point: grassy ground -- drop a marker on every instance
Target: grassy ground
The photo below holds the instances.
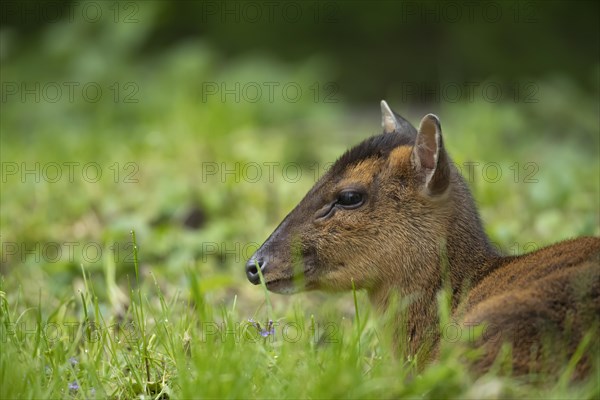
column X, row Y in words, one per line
column 85, row 313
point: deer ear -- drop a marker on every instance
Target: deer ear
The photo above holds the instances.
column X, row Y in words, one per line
column 429, row 157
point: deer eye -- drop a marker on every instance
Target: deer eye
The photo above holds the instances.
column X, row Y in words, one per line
column 350, row 199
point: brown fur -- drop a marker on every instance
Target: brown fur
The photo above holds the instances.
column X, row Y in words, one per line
column 418, row 224
column 554, row 291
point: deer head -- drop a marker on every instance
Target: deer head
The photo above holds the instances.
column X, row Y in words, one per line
column 378, row 214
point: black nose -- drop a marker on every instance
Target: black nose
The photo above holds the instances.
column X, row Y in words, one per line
column 252, row 269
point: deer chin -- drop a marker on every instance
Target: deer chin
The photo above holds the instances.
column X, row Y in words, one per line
column 287, row 285
column 291, row 284
column 284, row 286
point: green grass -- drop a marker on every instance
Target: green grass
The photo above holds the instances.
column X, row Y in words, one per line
column 166, row 314
column 184, row 348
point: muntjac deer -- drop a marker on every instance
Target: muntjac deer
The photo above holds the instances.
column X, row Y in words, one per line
column 393, row 216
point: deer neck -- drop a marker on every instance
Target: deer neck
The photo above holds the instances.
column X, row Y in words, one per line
column 470, row 255
column 462, row 257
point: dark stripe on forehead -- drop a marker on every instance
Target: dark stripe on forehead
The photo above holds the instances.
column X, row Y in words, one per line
column 374, row 147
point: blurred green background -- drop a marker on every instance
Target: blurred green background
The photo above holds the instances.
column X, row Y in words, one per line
column 201, row 124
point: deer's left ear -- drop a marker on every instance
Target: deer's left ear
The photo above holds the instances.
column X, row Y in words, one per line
column 429, row 157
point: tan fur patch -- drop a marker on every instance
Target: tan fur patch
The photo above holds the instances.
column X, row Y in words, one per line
column 361, row 173
column 400, row 157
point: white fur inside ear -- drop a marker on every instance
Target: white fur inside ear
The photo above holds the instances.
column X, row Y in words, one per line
column 436, row 155
column 429, row 156
column 427, row 145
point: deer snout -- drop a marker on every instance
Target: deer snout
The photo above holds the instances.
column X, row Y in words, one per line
column 252, row 267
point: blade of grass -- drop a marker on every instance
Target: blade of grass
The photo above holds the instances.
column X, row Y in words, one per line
column 356, row 314
column 266, row 291
column 141, row 306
